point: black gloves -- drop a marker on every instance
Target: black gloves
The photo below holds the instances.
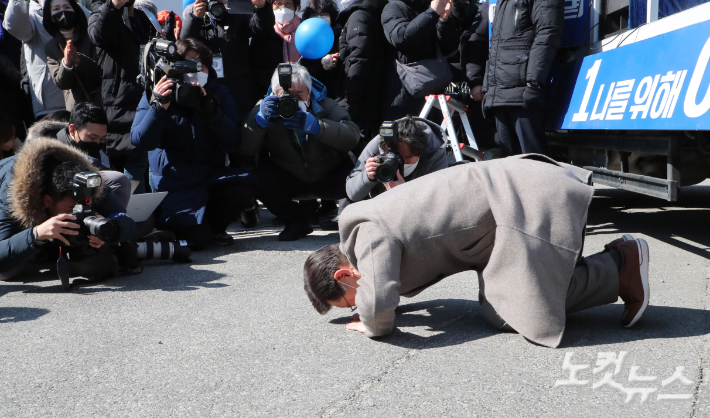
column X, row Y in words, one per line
column 533, row 97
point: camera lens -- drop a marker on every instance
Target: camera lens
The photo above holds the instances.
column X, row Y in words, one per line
column 188, row 94
column 287, row 107
column 104, row 229
column 386, row 171
column 217, row 9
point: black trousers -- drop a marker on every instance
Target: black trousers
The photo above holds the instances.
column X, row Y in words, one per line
column 277, row 189
column 520, row 131
column 224, row 205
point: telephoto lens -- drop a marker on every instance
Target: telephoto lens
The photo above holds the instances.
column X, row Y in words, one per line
column 390, row 163
column 178, row 251
column 104, row 229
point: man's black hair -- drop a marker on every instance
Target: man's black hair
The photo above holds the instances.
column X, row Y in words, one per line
column 411, row 133
column 58, row 116
column 192, row 44
column 315, row 8
column 59, row 177
column 85, row 113
column 318, row 277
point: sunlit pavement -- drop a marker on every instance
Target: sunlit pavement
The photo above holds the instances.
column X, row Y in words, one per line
column 233, row 334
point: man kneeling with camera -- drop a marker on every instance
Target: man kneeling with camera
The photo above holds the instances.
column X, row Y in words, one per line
column 52, row 204
column 189, row 123
column 308, row 137
column 403, row 151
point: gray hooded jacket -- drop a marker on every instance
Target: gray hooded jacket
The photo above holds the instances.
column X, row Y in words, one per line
column 23, row 20
column 359, row 186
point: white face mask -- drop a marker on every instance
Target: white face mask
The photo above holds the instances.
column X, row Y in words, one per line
column 284, row 15
column 326, row 19
column 303, row 106
column 199, row 78
column 409, row 168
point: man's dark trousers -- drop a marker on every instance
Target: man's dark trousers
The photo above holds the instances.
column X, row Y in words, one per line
column 520, row 131
column 277, row 189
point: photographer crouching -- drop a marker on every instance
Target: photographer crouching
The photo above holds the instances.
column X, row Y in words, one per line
column 308, row 137
column 189, row 124
column 404, row 150
column 38, row 203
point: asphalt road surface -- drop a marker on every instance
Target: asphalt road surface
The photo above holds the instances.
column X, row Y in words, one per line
column 233, row 334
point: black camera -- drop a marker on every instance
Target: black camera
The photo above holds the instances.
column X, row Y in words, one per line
column 217, row 10
column 160, row 58
column 390, row 161
column 107, row 230
column 288, row 103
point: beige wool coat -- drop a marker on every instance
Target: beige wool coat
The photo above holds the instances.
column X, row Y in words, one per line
column 517, row 221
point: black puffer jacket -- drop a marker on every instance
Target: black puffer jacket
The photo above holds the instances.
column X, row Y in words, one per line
column 118, row 55
column 231, row 40
column 362, row 53
column 523, row 43
column 266, row 49
column 414, row 36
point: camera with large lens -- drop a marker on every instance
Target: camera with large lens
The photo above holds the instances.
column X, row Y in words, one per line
column 217, row 10
column 389, row 162
column 288, row 103
column 160, row 58
column 107, row 230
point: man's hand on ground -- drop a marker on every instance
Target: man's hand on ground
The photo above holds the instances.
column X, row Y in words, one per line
column 56, row 227
column 356, row 324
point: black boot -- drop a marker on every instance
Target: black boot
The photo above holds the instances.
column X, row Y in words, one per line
column 295, row 230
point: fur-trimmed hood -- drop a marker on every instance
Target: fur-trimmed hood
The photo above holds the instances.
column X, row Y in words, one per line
column 45, row 128
column 26, row 194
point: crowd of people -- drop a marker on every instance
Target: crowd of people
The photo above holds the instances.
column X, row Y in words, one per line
column 70, row 72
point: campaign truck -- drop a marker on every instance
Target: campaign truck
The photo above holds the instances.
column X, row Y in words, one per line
column 631, row 93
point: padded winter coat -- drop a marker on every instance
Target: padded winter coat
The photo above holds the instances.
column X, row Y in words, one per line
column 524, row 38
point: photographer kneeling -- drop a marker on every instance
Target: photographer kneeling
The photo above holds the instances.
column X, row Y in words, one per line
column 37, row 198
column 420, row 144
column 308, row 137
column 188, row 144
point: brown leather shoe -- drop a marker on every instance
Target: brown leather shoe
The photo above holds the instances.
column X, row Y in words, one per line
column 633, row 278
column 625, row 237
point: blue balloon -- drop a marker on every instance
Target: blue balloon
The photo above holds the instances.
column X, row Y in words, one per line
column 314, row 38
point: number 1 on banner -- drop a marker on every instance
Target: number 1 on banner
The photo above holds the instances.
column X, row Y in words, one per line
column 582, row 115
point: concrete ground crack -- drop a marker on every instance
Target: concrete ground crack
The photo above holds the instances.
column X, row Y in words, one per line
column 365, row 386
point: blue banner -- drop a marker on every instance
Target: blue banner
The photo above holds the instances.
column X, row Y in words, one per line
column 659, row 83
column 576, row 31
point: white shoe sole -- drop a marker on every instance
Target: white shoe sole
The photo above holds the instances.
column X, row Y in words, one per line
column 627, row 237
column 644, row 259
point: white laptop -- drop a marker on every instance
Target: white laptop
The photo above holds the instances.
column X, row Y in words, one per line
column 141, row 206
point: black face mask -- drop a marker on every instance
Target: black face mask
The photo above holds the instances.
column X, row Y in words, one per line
column 65, row 20
column 91, row 149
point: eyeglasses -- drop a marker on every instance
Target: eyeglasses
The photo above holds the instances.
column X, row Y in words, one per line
column 352, row 308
